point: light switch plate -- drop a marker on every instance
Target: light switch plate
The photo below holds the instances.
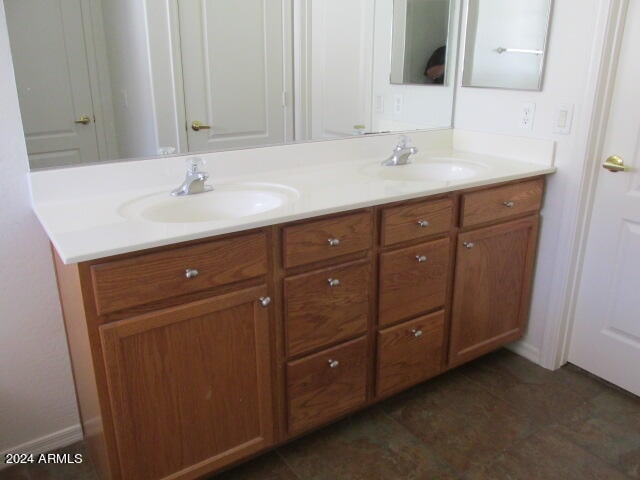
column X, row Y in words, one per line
column 563, row 120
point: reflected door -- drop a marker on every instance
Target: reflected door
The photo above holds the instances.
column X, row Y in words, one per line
column 50, row 62
column 233, row 67
column 606, row 333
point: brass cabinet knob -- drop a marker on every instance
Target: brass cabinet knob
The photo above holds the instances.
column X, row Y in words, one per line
column 197, row 126
column 615, row 164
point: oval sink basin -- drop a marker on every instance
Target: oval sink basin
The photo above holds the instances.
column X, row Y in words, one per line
column 225, row 202
column 437, row 169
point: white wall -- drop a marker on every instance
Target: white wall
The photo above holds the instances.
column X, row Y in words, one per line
column 37, row 397
column 498, row 111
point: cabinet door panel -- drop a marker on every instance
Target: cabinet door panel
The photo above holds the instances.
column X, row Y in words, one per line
column 190, row 387
column 492, row 288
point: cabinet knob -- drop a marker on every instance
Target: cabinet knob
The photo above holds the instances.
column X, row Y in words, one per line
column 416, row 332
column 265, row 301
column 421, row 258
column 190, row 273
column 333, row 282
column 423, row 223
column 333, row 363
column 469, row 245
column 509, row 204
column 334, row 242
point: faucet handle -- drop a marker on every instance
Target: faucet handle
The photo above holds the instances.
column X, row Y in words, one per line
column 195, row 165
column 404, row 141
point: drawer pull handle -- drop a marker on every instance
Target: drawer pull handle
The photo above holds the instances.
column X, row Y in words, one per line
column 191, row 273
column 417, row 333
column 334, row 363
column 421, row 258
column 469, row 245
column 334, row 242
column 423, row 223
column 265, row 301
column 509, row 204
column 333, row 282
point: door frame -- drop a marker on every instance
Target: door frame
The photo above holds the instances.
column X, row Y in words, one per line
column 599, row 92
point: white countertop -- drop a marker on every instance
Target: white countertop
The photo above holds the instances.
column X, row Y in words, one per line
column 80, row 208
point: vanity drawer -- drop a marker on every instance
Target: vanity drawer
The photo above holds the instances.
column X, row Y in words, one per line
column 413, row 280
column 327, row 306
column 324, row 239
column 149, row 278
column 501, row 203
column 326, row 385
column 416, row 221
column 409, row 353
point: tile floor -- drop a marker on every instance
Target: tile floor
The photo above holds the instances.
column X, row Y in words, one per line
column 498, row 418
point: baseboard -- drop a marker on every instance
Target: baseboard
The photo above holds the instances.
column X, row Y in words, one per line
column 527, row 351
column 53, row 441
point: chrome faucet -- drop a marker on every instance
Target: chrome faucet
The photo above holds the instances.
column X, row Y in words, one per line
column 195, row 180
column 401, row 153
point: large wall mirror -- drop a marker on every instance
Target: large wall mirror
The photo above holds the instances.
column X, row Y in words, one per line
column 102, row 80
column 506, row 43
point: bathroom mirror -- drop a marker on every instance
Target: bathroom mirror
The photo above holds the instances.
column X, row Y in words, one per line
column 105, row 80
column 506, row 43
column 420, row 36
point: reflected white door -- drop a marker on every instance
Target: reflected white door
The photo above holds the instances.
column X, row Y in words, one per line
column 606, row 334
column 233, row 67
column 340, row 49
column 50, row 62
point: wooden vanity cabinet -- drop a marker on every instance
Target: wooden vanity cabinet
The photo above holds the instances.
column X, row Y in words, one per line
column 190, row 358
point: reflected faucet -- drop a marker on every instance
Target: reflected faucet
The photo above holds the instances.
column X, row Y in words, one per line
column 401, row 153
column 194, row 182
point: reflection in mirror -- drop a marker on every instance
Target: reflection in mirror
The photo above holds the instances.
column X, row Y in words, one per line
column 420, row 34
column 505, row 43
column 101, row 80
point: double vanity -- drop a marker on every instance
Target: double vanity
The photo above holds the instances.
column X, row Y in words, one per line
column 207, row 328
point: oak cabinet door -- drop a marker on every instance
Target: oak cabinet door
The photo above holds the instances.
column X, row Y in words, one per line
column 190, row 387
column 492, row 288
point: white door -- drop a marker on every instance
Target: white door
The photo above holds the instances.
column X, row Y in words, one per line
column 50, row 61
column 233, row 67
column 606, row 334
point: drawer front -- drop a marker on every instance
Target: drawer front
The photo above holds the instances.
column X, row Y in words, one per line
column 326, row 385
column 327, row 306
column 501, row 203
column 413, row 280
column 416, row 221
column 409, row 353
column 325, row 239
column 148, row 278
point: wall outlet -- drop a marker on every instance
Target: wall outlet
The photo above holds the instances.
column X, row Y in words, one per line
column 563, row 119
column 528, row 116
column 398, row 104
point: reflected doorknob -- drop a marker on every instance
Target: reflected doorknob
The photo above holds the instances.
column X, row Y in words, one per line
column 197, row 126
column 615, row 164
column 84, row 120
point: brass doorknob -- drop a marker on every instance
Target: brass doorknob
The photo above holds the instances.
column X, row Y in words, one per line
column 615, row 164
column 197, row 126
column 84, row 120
